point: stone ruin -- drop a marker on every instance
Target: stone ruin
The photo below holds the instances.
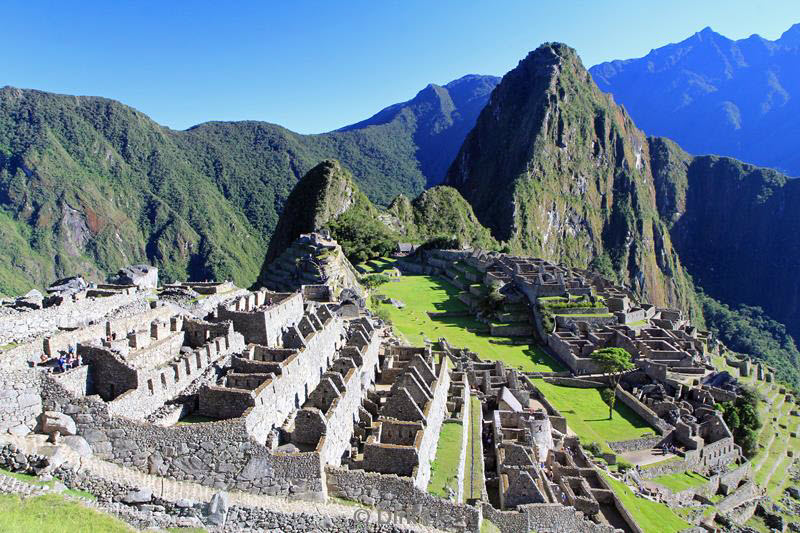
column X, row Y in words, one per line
column 300, row 393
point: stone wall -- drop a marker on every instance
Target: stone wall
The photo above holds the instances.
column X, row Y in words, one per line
column 339, row 418
column 217, row 454
column 729, row 481
column 543, row 518
column 156, row 386
column 644, row 443
column 147, row 509
column 576, row 382
column 276, row 398
column 19, row 356
column 642, row 410
column 25, row 325
column 20, row 403
column 388, row 491
column 748, row 491
column 434, row 416
column 263, row 325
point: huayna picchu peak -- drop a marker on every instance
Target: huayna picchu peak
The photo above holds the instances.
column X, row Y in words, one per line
column 556, row 168
column 501, row 305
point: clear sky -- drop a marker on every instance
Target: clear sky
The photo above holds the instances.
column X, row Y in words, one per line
column 316, row 65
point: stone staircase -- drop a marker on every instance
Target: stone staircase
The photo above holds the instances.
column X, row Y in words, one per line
column 13, row 485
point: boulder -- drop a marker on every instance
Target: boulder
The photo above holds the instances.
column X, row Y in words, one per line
column 218, row 509
column 143, row 276
column 68, row 286
column 78, row 444
column 53, row 421
column 31, row 300
column 138, row 496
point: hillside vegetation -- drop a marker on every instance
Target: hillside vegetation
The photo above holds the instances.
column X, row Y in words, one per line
column 88, row 185
column 328, row 198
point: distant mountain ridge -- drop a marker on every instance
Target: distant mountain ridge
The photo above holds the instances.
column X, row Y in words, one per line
column 438, row 119
column 714, row 95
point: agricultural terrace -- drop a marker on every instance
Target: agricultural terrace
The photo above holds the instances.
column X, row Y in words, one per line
column 775, row 440
column 421, row 294
column 681, row 481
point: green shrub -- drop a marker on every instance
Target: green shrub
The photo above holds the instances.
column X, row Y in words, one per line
column 623, row 466
column 607, row 396
column 593, row 448
column 372, row 281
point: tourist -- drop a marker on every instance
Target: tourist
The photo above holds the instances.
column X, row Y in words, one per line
column 62, row 363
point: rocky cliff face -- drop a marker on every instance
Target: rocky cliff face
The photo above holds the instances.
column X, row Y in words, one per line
column 557, row 169
column 736, row 227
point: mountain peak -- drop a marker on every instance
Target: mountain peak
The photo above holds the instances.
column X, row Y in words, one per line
column 791, row 37
column 322, row 194
column 539, row 164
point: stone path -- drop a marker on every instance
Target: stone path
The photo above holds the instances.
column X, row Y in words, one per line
column 171, row 490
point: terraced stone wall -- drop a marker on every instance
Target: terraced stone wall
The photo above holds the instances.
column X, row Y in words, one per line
column 218, row 454
column 28, row 324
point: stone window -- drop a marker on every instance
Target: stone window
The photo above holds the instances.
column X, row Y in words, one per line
column 164, row 380
column 150, row 386
column 199, row 361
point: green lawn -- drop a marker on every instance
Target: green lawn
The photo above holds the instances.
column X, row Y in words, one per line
column 52, row 513
column 649, row 515
column 681, row 481
column 587, row 414
column 474, row 446
column 425, row 293
column 444, row 469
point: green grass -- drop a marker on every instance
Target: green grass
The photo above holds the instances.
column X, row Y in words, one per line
column 649, row 515
column 487, row 526
column 596, row 315
column 587, row 414
column 52, row 513
column 681, row 481
column 421, row 294
column 33, row 480
column 444, row 469
column 470, row 490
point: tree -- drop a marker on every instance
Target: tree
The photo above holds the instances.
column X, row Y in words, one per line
column 614, row 362
column 491, row 304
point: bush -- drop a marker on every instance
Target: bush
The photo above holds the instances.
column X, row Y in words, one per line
column 384, row 315
column 623, row 466
column 741, row 416
column 372, row 281
column 593, row 448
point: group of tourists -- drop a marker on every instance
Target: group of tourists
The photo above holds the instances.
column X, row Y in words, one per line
column 65, row 361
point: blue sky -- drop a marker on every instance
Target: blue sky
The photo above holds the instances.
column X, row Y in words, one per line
column 316, row 65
